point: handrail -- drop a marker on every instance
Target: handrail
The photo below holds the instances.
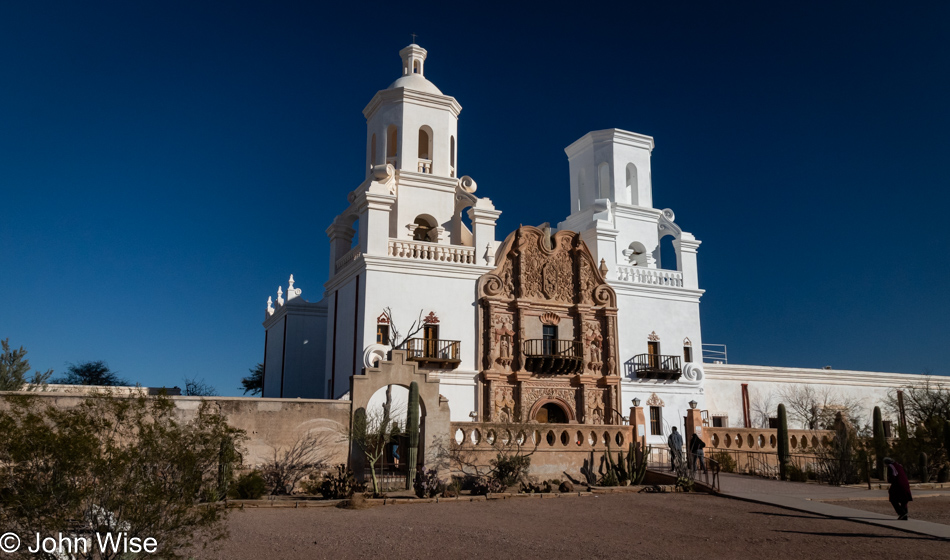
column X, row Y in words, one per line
column 432, row 349
column 656, row 365
column 552, row 347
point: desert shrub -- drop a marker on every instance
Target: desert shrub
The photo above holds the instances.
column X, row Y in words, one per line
column 129, row 464
column 796, row 474
column 249, row 486
column 428, row 484
column 726, row 462
column 487, row 485
column 338, row 484
column 510, row 470
column 289, row 465
column 685, row 483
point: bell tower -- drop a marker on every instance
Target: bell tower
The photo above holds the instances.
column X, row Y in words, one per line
column 411, row 125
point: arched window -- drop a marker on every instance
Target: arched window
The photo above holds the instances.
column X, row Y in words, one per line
column 425, row 229
column 372, row 151
column 632, row 195
column 603, row 180
column 425, row 150
column 415, row 67
column 392, row 141
column 424, row 143
column 668, row 256
column 451, row 156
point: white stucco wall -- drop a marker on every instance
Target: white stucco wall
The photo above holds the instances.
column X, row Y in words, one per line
column 724, row 387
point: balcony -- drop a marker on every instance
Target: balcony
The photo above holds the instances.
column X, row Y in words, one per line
column 655, row 366
column 553, row 357
column 433, row 352
column 425, row 166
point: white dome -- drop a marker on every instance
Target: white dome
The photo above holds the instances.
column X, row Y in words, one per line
column 416, row 82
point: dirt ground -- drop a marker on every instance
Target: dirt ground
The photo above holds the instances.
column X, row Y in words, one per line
column 615, row 526
column 935, row 509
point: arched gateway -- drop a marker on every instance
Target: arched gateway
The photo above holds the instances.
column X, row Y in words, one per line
column 548, row 324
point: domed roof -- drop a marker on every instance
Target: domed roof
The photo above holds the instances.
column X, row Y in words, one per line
column 416, row 82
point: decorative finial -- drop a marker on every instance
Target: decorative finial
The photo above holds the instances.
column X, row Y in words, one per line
column 270, row 306
column 413, row 38
column 291, row 291
column 280, row 295
column 603, row 268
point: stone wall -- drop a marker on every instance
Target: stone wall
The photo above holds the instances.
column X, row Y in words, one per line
column 269, row 423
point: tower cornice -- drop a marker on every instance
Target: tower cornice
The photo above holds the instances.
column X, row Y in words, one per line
column 412, row 97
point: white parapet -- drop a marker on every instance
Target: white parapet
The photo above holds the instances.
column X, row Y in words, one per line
column 353, row 255
column 651, row 276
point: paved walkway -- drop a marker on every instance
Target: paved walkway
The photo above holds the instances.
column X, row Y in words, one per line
column 809, row 498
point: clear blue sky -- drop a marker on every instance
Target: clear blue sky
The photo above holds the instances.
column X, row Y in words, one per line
column 164, row 166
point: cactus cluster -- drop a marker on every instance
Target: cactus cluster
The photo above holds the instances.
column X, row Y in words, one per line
column 627, row 470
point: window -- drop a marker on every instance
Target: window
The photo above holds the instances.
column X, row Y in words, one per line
column 773, row 423
column 720, row 421
column 382, row 334
column 549, row 335
column 887, row 428
column 687, row 354
column 656, row 421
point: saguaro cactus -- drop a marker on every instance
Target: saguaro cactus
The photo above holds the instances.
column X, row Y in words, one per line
column 783, row 454
column 880, row 442
column 412, row 427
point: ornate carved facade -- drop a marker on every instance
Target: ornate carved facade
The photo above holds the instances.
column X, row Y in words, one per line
column 548, row 324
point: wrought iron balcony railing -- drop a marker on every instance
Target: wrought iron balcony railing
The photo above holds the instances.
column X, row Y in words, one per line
column 430, row 351
column 553, row 356
column 656, row 366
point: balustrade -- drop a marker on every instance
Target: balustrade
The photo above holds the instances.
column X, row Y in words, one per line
column 541, row 437
column 649, row 276
column 425, row 251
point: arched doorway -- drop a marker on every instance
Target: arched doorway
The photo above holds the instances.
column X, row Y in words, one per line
column 551, row 413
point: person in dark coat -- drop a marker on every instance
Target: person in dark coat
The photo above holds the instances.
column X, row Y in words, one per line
column 675, row 442
column 696, row 454
column 899, row 492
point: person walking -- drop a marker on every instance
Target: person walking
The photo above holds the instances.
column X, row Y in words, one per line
column 696, row 454
column 675, row 441
column 899, row 492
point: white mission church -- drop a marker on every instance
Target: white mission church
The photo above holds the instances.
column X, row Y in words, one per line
column 567, row 324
